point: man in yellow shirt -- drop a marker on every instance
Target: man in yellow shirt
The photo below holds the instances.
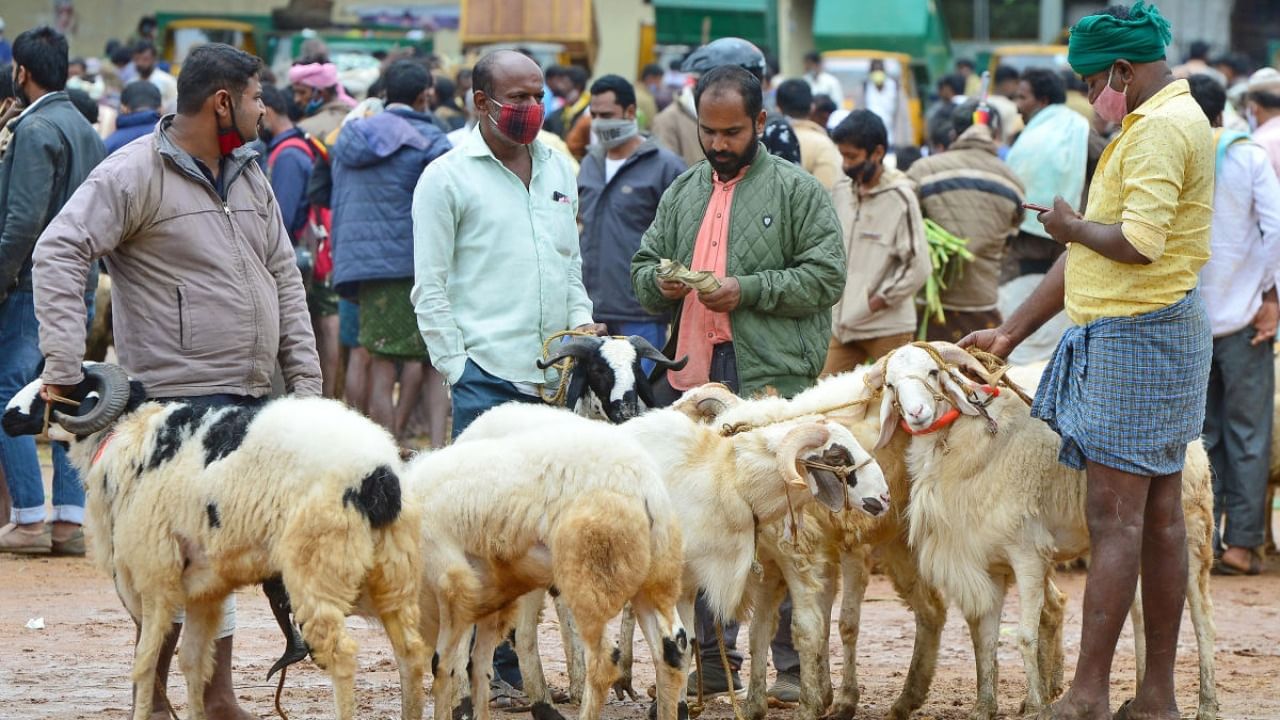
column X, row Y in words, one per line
column 1126, row 388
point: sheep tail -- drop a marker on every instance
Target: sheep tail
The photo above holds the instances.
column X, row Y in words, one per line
column 377, row 498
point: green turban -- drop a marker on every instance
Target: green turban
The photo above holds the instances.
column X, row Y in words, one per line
column 1099, row 40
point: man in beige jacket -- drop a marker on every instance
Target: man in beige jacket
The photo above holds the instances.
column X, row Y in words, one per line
column 818, row 154
column 885, row 242
column 207, row 297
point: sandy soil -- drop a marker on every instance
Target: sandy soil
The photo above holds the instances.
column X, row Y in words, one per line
column 77, row 665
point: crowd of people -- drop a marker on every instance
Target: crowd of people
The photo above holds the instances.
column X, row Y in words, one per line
column 411, row 252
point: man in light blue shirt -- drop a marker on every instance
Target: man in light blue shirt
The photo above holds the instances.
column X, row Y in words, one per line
column 496, row 259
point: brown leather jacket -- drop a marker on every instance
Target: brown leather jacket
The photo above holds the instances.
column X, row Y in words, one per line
column 206, row 294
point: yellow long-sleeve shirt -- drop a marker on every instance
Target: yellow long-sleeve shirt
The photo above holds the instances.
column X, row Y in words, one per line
column 1155, row 179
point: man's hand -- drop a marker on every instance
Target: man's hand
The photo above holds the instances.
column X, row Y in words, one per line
column 63, row 391
column 1264, row 323
column 725, row 299
column 595, row 328
column 1059, row 222
column 877, row 303
column 671, row 289
column 995, row 341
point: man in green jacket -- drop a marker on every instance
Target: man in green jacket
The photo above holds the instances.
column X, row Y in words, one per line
column 768, row 232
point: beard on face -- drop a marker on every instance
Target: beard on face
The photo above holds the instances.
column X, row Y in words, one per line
column 727, row 164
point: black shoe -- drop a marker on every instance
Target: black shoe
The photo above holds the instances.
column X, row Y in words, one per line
column 713, row 680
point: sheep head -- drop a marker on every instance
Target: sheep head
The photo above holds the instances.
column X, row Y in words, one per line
column 825, row 459
column 105, row 393
column 607, row 372
column 918, row 386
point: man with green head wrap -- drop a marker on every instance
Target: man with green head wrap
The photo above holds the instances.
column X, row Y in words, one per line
column 1126, row 387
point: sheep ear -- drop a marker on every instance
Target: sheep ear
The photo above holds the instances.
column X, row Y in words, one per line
column 827, row 489
column 955, row 390
column 888, row 418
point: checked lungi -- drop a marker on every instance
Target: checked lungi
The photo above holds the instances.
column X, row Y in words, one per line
column 1129, row 392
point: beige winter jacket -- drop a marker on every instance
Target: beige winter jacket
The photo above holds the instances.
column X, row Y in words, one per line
column 818, row 154
column 206, row 294
column 676, row 129
column 887, row 256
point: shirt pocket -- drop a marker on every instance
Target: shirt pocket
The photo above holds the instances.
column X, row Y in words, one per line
column 184, row 316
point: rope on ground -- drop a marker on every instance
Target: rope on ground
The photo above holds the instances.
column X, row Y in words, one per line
column 279, row 691
column 728, row 674
column 696, row 707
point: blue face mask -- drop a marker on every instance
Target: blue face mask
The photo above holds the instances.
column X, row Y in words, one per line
column 313, row 105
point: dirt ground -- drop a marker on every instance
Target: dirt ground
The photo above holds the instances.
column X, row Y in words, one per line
column 77, row 665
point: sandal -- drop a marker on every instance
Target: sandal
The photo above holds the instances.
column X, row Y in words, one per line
column 1221, row 567
column 504, row 696
column 1122, row 713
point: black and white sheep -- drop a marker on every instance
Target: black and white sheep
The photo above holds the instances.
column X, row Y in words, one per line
column 185, row 503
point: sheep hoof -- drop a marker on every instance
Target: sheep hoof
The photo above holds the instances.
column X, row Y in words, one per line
column 464, row 710
column 841, row 712
column 545, row 711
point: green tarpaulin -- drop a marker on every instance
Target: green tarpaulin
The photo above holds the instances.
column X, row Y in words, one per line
column 913, row 27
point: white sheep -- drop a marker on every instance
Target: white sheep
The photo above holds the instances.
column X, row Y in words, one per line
column 583, row 511
column 830, row 546
column 186, row 503
column 990, row 504
column 724, row 487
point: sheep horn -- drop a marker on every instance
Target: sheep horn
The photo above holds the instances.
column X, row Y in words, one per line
column 960, row 358
column 112, row 384
column 706, row 402
column 799, row 439
column 576, row 348
column 646, row 350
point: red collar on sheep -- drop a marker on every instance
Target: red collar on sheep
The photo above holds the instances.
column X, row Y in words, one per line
column 949, row 416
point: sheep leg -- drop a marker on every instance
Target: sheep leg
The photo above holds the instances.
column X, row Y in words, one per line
column 489, row 633
column 1051, row 640
column 1139, row 635
column 196, row 653
column 810, row 636
column 623, row 689
column 856, row 575
column 1029, row 571
column 601, row 671
column 985, row 631
column 157, row 619
column 1201, row 604
column 769, row 591
column 332, row 648
column 526, row 646
column 669, row 646
column 451, row 664
column 400, row 620
column 931, row 615
column 573, row 652
column 685, row 611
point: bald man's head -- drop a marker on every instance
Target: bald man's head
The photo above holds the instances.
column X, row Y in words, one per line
column 499, row 66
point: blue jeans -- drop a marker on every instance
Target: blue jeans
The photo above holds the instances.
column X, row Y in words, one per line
column 474, row 393
column 1237, row 435
column 19, row 365
column 654, row 332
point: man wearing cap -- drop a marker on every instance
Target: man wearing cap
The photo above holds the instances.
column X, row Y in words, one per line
column 1263, row 112
column 1126, row 388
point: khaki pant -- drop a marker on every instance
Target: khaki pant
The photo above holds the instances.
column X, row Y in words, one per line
column 843, row 357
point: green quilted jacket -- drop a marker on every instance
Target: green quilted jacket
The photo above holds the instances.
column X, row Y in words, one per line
column 785, row 249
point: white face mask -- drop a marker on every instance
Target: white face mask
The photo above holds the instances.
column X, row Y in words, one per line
column 613, row 132
column 1252, row 118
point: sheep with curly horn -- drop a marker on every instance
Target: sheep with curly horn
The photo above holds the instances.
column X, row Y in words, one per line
column 607, row 380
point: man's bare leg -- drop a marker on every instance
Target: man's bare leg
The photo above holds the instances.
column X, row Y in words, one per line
column 356, row 389
column 436, row 396
column 159, row 696
column 410, row 395
column 220, row 701
column 1164, row 585
column 330, row 350
column 1115, row 505
column 382, row 383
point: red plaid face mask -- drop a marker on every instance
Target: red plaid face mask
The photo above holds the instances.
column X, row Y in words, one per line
column 519, row 123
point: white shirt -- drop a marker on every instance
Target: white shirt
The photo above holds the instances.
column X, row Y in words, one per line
column 825, row 83
column 1244, row 257
column 611, row 167
column 883, row 101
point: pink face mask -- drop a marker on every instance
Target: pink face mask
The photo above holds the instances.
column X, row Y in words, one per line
column 1110, row 103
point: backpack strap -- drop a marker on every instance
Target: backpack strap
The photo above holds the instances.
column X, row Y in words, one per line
column 1224, row 139
column 302, row 143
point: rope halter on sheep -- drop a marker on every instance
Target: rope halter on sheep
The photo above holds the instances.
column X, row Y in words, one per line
column 564, row 367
